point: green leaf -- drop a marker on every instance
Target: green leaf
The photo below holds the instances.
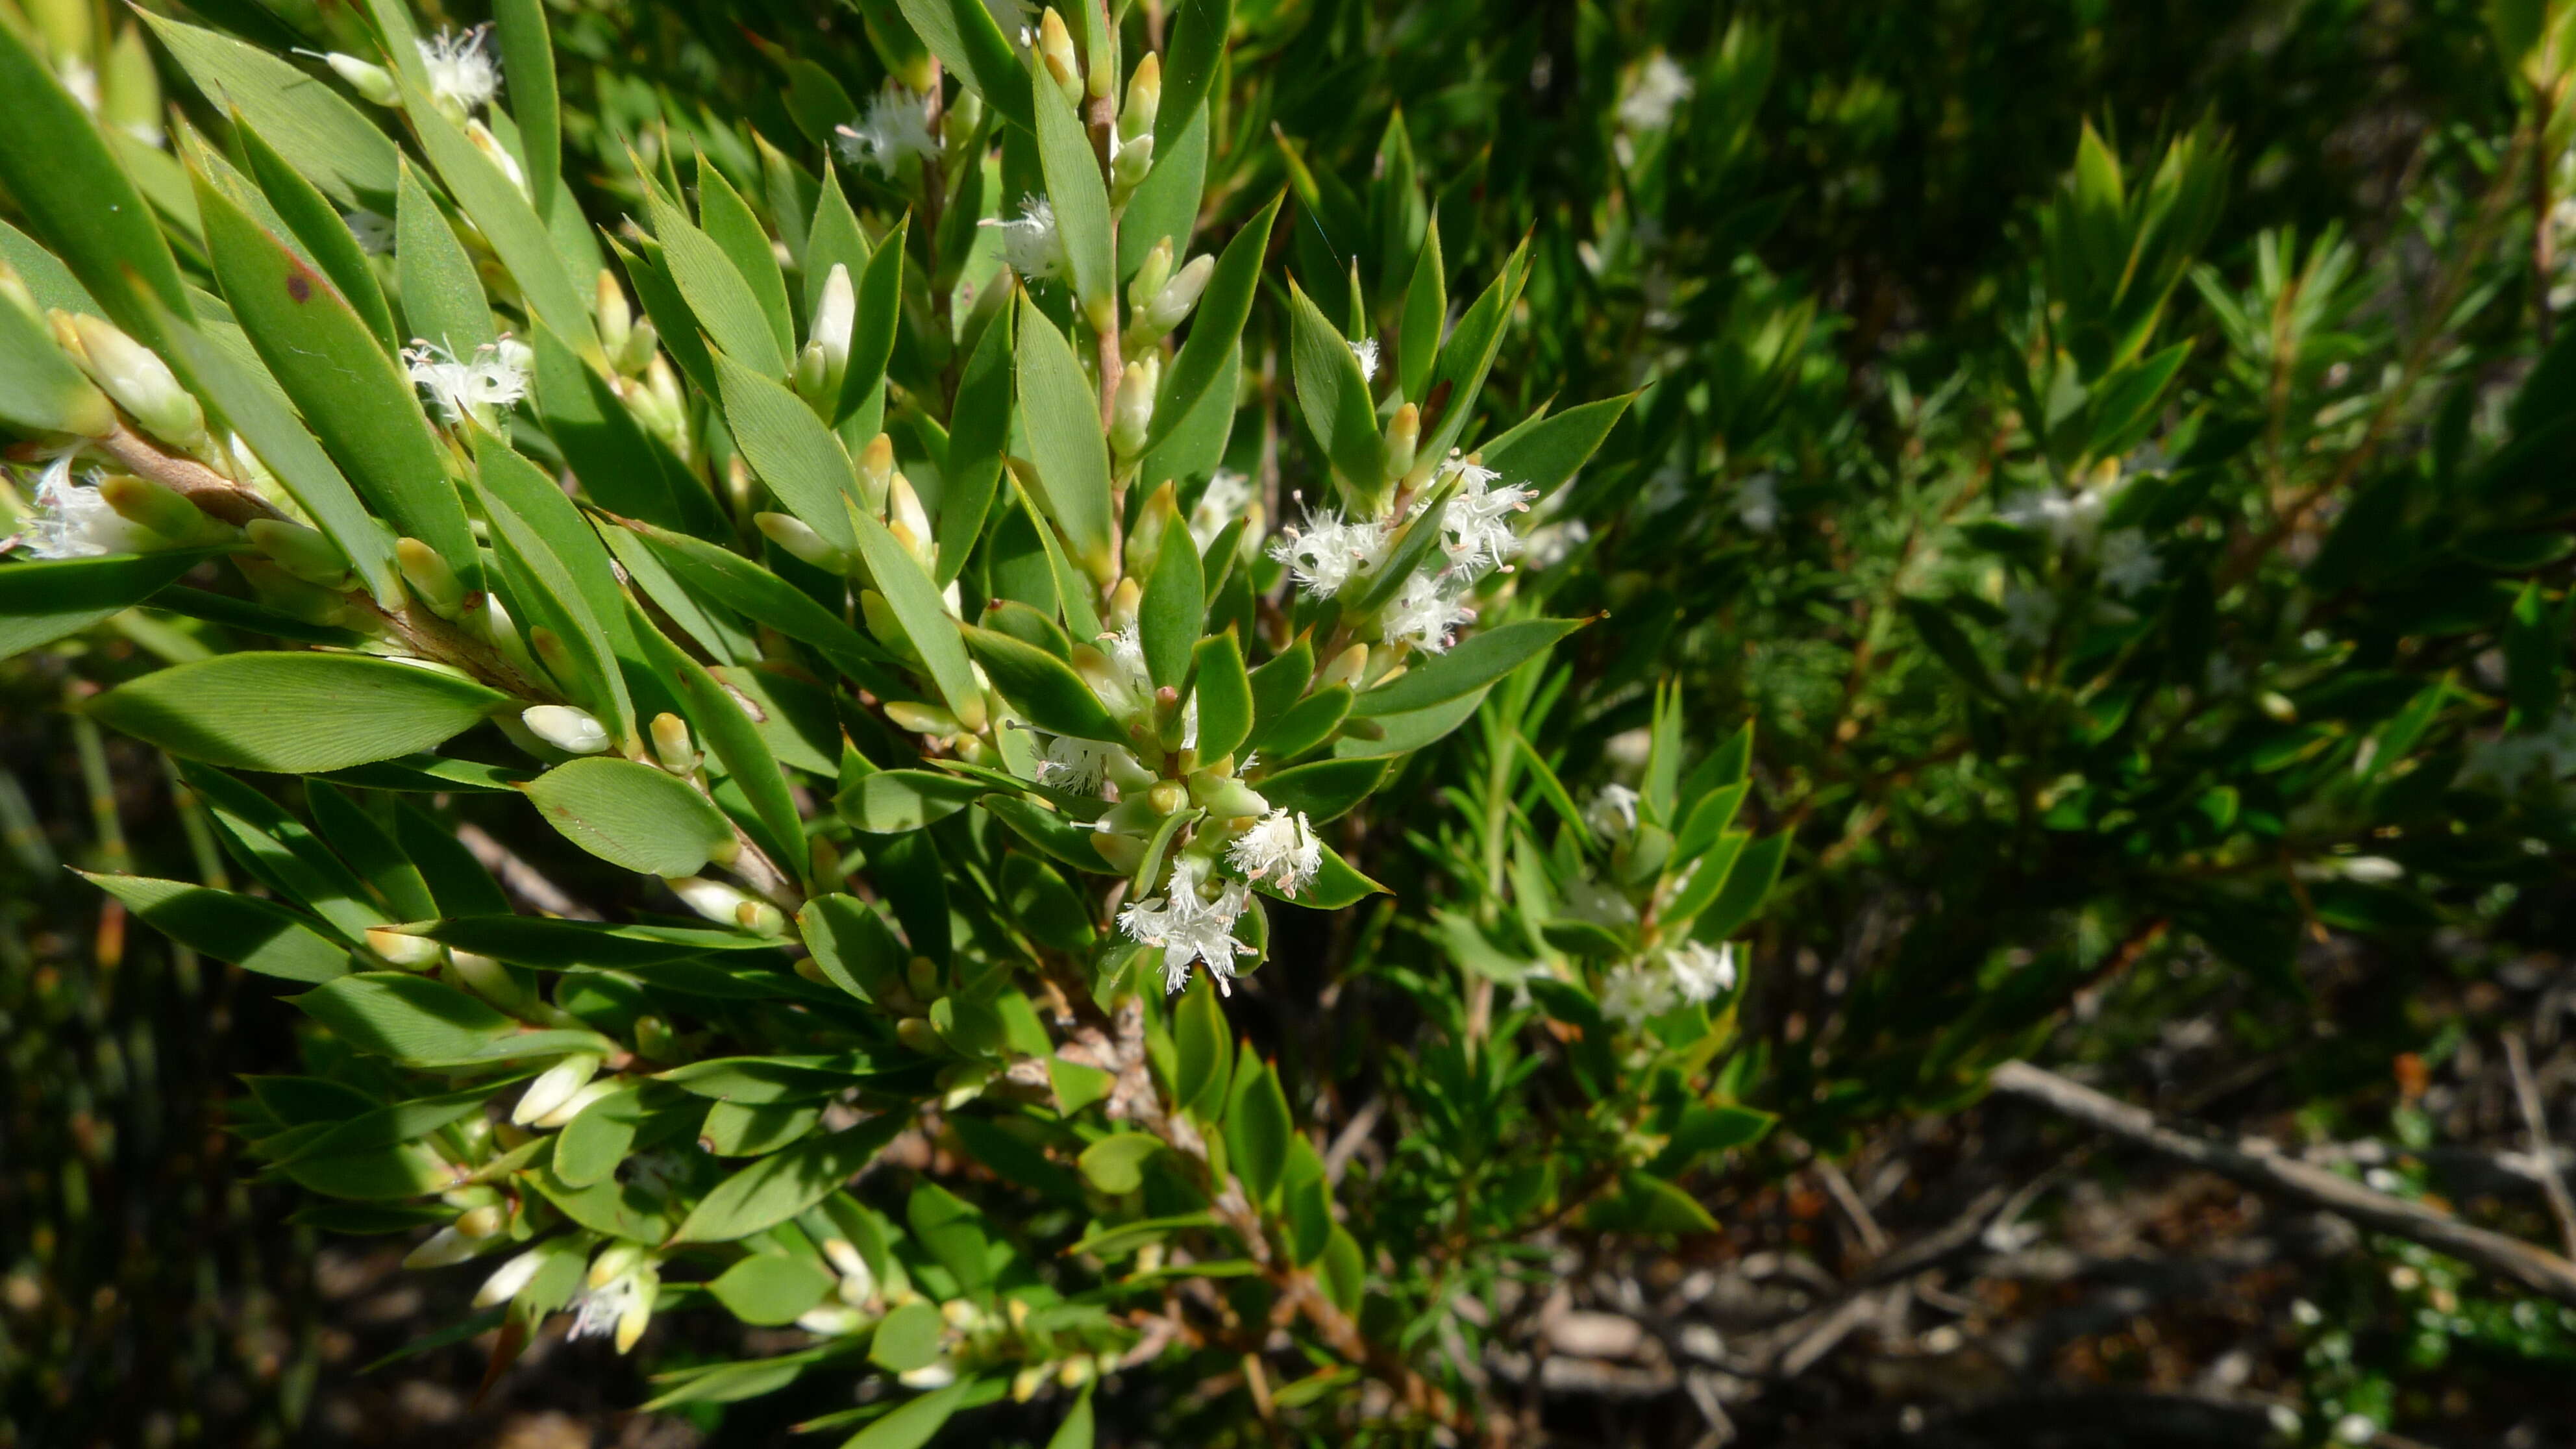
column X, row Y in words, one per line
column 1426, row 311
column 294, row 713
column 979, row 430
column 1544, row 452
column 441, row 295
column 591, row 1145
column 1116, row 1163
column 1336, row 885
column 648, row 266
column 1173, row 608
column 765, row 598
column 2532, row 651
column 409, row 1018
column 879, row 318
column 724, row 305
column 43, row 601
column 1477, row 661
column 1080, row 195
column 1217, row 327
column 1192, row 60
column 1335, row 400
column 499, row 211
column 769, row 1289
column 963, row 34
column 528, row 59
column 766, row 1081
column 266, row 420
column 730, row 224
column 1324, row 790
column 40, row 389
column 632, row 815
column 733, row 736
column 252, row 934
column 1075, row 1432
column 1201, row 1047
column 891, row 802
column 778, row 1187
column 369, row 849
column 1054, row 834
column 1044, row 689
column 1755, row 872
column 1224, row 693
column 1195, row 446
column 319, row 133
column 733, row 1382
column 568, row 589
column 790, row 449
column 57, row 168
column 954, row 1233
column 1469, row 354
column 319, row 229
column 833, row 238
column 1305, row 724
column 924, row 615
column 1278, row 684
column 354, row 396
column 853, row 946
column 617, row 1209
column 1061, row 415
column 618, row 465
column 1166, row 204
column 753, row 1129
column 1257, row 1126
column 906, row 1339
column 555, row 945
column 1306, row 1201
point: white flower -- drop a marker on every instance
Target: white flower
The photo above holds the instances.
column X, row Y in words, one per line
column 1757, row 503
column 1280, row 848
column 1660, row 86
column 1550, row 544
column 2069, row 519
column 1074, row 764
column 1190, row 928
column 1030, row 244
column 1425, row 615
column 1366, row 351
column 1476, row 529
column 1699, row 972
column 1227, row 494
column 2129, row 562
column 375, row 233
column 1632, row 994
column 898, row 125
column 2029, row 615
column 1613, row 811
column 496, row 378
column 1329, row 552
column 620, row 1307
column 76, row 522
column 461, row 71
column 573, row 731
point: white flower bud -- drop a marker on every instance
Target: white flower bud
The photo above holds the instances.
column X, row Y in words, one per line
column 834, row 1320
column 412, row 953
column 301, row 551
column 573, row 1105
column 429, row 576
column 835, row 315
column 510, row 1277
column 573, row 731
column 1172, row 305
column 712, row 899
column 140, row 381
column 1132, row 414
column 1144, row 98
column 795, row 536
column 373, row 83
column 160, row 509
column 671, row 744
column 909, row 521
column 938, row 1375
column 446, row 1246
column 1055, row 47
column 554, row 1087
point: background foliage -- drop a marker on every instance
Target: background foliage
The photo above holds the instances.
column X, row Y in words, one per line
column 2107, row 454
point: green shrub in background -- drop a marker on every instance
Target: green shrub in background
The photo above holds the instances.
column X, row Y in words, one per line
column 2108, row 582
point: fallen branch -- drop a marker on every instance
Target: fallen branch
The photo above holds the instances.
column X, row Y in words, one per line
column 2265, row 1169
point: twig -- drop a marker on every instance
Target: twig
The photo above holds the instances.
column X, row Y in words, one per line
column 2535, row 1119
column 2264, row 1168
column 211, row 491
column 520, row 878
column 1353, row 1133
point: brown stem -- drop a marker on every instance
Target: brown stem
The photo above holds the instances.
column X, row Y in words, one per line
column 212, row 492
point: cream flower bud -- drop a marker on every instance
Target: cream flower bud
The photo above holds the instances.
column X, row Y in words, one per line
column 445, row 1247
column 876, row 472
column 301, row 551
column 574, row 1105
column 573, row 731
column 638, row 356
column 1128, row 171
column 510, row 1277
column 412, row 953
column 1144, row 98
column 1403, row 438
column 1172, row 305
column 614, row 1262
column 834, row 1320
column 554, row 1087
column 813, row 373
column 795, row 536
column 616, row 318
column 482, row 1222
column 158, row 508
column 671, row 744
column 909, row 521
column 373, row 83
column 491, row 980
column 1055, row 47
column 1132, row 413
column 431, row 580
column 140, row 382
column 835, row 316
column 726, row 904
column 938, row 1375
column 1151, row 275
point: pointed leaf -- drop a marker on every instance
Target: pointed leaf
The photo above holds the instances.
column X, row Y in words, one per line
column 294, row 713
column 632, row 815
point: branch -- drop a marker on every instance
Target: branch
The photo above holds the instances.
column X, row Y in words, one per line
column 2265, row 1169
column 2535, row 1118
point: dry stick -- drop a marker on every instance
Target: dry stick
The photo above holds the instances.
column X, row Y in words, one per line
column 2544, row 1156
column 2265, row 1169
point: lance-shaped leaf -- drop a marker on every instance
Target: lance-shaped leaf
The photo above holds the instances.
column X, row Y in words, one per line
column 528, row 59
column 1191, row 61
column 406, row 1017
column 1544, row 452
column 834, row 239
column 442, row 297
column 1334, row 397
column 979, row 430
column 294, row 713
column 924, row 616
column 1469, row 354
column 790, row 449
column 1324, row 790
column 778, row 1187
column 620, row 467
column 1062, row 417
column 1166, row 206
column 1196, row 444
column 765, row 598
column 967, row 40
column 1257, row 1126
column 42, row 602
column 1080, row 195
column 890, row 802
column 1042, row 687
column 357, row 399
column 319, row 133
column 40, row 389
column 502, row 213
column 56, row 166
column 724, row 305
column 648, row 268
column 255, row 935
column 1202, row 1049
column 544, row 591
column 1173, row 608
column 1218, row 326
column 1224, row 695
column 728, row 221
column 1426, row 311
column 1477, row 661
column 747, row 757
column 879, row 318
column 318, row 228
column 632, row 815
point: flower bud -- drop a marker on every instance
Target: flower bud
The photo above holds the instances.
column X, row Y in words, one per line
column 834, row 1320
column 793, row 535
column 1134, row 161
column 614, row 1262
column 491, row 980
column 574, row 1105
column 281, row 590
column 1151, row 276
column 554, row 1087
column 712, row 899
column 876, row 473
column 445, row 1247
column 655, row 1039
column 811, row 376
column 671, row 744
column 1055, row 46
column 573, row 731
column 835, row 314
column 431, row 580
column 13, row 291
column 372, row 82
column 510, row 1277
column 1166, row 797
column 1144, row 98
column 1403, row 438
column 496, row 153
column 1026, row 1383
column 638, row 355
column 957, row 124
column 938, row 1375
column 909, row 522
column 616, row 318
column 639, row 1308
column 482, row 1222
column 303, row 552
column 923, row 719
column 158, row 508
column 916, row 1033
column 140, row 382
column 1132, row 415
column 1171, row 306
column 412, row 953
column 1345, row 668
column 1226, row 797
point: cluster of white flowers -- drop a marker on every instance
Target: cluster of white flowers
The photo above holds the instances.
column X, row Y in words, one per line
column 1757, row 503
column 606, row 1311
column 1226, row 496
column 1366, row 351
column 1280, row 848
column 1329, row 551
column 2069, row 519
column 897, row 125
column 1075, row 764
column 1659, row 88
column 76, row 522
column 1190, row 928
column 2129, row 563
column 1476, row 530
column 496, row 376
column 2126, row 559
column 462, row 71
column 1427, row 613
column 1613, row 811
column 2029, row 615
column 1029, row 242
column 1636, row 992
